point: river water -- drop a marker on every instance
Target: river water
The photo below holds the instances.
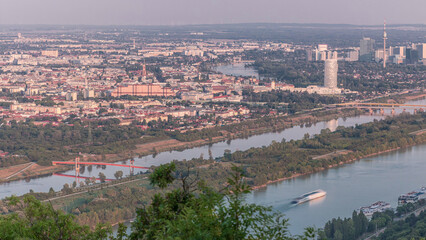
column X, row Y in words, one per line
column 237, row 69
column 42, row 184
column 348, row 187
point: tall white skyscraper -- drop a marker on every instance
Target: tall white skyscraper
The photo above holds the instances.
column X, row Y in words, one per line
column 385, row 37
column 330, row 73
column 421, row 48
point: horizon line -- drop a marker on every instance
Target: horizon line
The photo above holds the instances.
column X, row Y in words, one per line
column 210, row 24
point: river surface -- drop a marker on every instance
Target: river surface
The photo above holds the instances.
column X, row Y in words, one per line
column 237, row 69
column 348, row 187
column 43, row 184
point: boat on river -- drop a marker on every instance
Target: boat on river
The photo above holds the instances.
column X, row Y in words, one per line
column 379, row 206
column 309, row 196
column 412, row 197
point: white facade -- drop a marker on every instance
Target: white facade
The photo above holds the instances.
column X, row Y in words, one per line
column 88, row 93
column 330, row 73
column 322, row 47
column 71, row 96
column 422, row 50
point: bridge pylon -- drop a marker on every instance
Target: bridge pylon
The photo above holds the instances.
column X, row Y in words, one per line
column 77, row 170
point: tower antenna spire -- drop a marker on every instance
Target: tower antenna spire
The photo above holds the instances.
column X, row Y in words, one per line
column 384, row 43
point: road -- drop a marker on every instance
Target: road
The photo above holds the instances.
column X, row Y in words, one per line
column 416, row 213
column 376, row 234
column 18, row 172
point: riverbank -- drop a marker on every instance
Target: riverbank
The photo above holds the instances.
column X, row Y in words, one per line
column 165, row 145
column 276, row 123
column 17, row 172
column 277, row 154
column 336, row 165
column 319, row 170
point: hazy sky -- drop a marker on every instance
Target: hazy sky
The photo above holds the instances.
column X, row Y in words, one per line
column 172, row 12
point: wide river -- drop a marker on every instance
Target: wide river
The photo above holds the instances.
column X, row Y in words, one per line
column 348, row 187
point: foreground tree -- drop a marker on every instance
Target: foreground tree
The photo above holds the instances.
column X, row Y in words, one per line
column 194, row 211
column 118, row 175
column 102, row 177
column 36, row 220
column 189, row 210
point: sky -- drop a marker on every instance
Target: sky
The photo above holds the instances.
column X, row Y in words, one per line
column 182, row 12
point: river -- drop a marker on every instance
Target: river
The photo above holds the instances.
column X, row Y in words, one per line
column 348, row 187
column 43, row 184
column 237, row 69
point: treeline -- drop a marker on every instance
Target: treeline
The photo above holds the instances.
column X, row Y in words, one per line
column 112, row 205
column 193, row 135
column 296, row 101
column 300, row 73
column 278, row 160
column 184, row 207
column 356, row 226
column 25, row 141
column 260, row 165
column 413, row 227
column 284, row 159
column 43, row 144
column 409, row 207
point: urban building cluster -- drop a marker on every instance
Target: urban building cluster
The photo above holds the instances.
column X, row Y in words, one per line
column 368, row 51
column 102, row 77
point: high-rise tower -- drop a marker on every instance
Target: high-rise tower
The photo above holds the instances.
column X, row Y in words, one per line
column 330, row 73
column 384, row 44
column 366, row 50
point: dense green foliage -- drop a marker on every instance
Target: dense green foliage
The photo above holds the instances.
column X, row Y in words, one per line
column 356, row 226
column 43, row 144
column 284, row 159
column 195, row 211
column 190, row 211
column 279, row 160
column 348, row 228
column 296, row 101
column 188, row 136
column 411, row 228
column 36, row 220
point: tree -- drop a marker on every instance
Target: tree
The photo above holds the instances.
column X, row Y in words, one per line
column 195, row 211
column 121, row 232
column 87, row 181
column 118, row 174
column 102, row 177
column 51, row 192
column 66, row 189
column 36, row 220
column 93, row 179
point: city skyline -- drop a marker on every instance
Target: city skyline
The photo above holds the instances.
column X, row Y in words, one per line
column 187, row 12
